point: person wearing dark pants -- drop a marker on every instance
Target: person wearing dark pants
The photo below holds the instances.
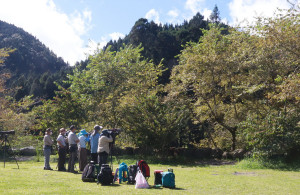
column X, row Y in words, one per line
column 62, row 150
column 102, row 158
column 47, row 148
column 103, row 147
column 73, row 140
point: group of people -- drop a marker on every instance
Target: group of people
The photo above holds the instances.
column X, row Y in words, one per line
column 76, row 145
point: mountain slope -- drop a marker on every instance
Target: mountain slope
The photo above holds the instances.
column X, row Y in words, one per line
column 33, row 67
column 31, row 56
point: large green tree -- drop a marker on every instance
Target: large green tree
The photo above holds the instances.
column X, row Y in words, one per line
column 109, row 79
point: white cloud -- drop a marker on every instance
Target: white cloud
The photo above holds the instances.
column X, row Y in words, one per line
column 116, row 35
column 174, row 14
column 57, row 30
column 194, row 5
column 206, row 13
column 247, row 10
column 153, row 15
column 94, row 46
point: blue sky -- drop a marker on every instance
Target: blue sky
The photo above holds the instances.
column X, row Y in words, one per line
column 74, row 28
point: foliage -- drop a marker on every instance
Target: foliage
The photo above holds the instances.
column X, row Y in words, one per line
column 32, row 66
column 64, row 110
column 232, row 87
column 212, row 72
column 215, row 15
column 13, row 114
column 109, row 78
column 246, row 77
column 163, row 42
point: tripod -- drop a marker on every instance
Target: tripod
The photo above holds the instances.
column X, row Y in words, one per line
column 111, row 154
column 6, row 147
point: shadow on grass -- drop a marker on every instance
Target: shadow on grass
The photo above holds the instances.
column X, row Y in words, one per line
column 172, row 161
column 279, row 164
column 160, row 188
column 111, row 185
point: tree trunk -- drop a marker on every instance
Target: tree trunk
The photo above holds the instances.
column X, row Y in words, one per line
column 233, row 134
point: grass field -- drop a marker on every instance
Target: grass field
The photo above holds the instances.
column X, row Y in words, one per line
column 190, row 179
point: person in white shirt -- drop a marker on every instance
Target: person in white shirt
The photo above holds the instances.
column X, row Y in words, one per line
column 47, row 148
column 82, row 152
column 103, row 147
column 73, row 141
column 62, row 149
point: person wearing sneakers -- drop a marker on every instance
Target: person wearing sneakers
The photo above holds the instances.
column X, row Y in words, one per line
column 47, row 148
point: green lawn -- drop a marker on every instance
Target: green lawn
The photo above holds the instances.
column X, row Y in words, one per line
column 225, row 179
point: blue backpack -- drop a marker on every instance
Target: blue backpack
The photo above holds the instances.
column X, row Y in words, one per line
column 123, row 172
column 168, row 179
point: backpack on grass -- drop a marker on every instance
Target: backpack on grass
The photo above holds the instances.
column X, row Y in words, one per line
column 123, row 172
column 132, row 170
column 88, row 174
column 105, row 177
column 144, row 168
column 168, row 179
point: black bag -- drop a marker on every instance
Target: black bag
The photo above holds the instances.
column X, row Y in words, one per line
column 88, row 174
column 105, row 176
column 132, row 170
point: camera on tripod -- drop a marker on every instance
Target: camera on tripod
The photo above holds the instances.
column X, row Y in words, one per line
column 5, row 146
column 3, row 133
column 111, row 132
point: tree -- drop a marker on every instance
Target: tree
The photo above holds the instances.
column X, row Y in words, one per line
column 110, row 77
column 215, row 15
column 248, row 75
column 274, row 128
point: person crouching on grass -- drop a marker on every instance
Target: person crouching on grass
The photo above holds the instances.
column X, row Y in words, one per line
column 82, row 152
column 47, row 148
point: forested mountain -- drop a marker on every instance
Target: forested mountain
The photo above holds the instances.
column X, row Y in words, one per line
column 165, row 41
column 33, row 67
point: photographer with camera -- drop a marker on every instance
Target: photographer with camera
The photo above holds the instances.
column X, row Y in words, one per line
column 62, row 149
column 73, row 141
column 94, row 140
column 103, row 146
column 47, row 148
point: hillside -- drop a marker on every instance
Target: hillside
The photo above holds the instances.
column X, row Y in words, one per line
column 164, row 42
column 30, row 60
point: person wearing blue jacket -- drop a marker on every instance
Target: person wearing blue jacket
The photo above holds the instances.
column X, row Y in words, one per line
column 94, row 139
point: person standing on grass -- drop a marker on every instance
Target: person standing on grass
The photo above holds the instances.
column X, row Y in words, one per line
column 94, row 143
column 73, row 141
column 62, row 149
column 103, row 147
column 47, row 148
column 82, row 152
